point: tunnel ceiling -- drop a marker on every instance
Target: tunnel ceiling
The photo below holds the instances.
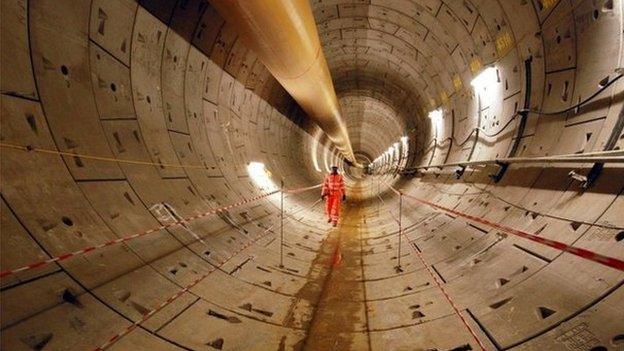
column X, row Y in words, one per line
column 144, row 147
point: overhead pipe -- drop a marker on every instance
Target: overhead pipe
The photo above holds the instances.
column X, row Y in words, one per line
column 283, row 34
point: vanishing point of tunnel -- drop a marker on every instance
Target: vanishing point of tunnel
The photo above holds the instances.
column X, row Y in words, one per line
column 162, row 163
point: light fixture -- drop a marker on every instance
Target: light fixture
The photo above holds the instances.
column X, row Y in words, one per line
column 260, row 176
column 315, row 143
column 485, row 78
column 435, row 115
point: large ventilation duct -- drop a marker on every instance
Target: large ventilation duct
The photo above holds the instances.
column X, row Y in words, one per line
column 283, row 34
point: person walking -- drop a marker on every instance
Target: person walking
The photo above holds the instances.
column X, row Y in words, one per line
column 333, row 192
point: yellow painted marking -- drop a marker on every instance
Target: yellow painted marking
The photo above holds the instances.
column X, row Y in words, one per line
column 457, row 82
column 504, row 42
column 546, row 4
column 444, row 97
column 475, row 65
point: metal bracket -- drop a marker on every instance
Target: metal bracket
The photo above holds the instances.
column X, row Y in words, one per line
column 590, row 178
column 460, row 172
column 502, row 168
column 410, row 173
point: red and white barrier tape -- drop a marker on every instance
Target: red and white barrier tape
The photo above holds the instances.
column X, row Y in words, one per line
column 86, row 250
column 446, row 295
column 580, row 252
column 435, row 279
column 300, row 190
column 175, row 296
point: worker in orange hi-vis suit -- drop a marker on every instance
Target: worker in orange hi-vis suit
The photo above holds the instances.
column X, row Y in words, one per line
column 333, row 192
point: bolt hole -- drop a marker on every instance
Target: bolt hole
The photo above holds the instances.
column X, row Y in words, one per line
column 113, row 87
column 619, row 236
column 64, row 70
column 596, row 14
column 618, row 339
column 67, row 221
column 149, row 101
column 607, row 6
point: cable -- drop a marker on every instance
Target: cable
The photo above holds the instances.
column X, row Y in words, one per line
column 467, row 137
column 591, row 97
column 97, row 158
column 583, row 253
column 501, row 129
column 550, row 113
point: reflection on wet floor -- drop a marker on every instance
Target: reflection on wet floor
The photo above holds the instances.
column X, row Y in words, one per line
column 340, row 319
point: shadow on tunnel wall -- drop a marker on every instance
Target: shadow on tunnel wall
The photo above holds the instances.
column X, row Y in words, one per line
column 202, row 27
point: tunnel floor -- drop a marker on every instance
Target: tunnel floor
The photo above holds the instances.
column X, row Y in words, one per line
column 340, row 320
column 362, row 252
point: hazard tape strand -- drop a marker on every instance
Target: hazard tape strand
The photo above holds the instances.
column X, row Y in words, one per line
column 96, row 158
column 446, row 295
column 300, row 190
column 577, row 251
column 437, row 282
column 175, row 296
column 68, row 255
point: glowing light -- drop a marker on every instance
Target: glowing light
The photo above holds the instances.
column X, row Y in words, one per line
column 315, row 142
column 325, row 151
column 260, row 176
column 404, row 141
column 436, row 115
column 484, row 79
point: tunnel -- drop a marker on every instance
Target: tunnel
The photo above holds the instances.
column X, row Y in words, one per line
column 161, row 185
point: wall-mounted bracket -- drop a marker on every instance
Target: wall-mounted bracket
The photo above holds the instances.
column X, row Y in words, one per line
column 460, row 171
column 502, row 168
column 412, row 173
column 586, row 181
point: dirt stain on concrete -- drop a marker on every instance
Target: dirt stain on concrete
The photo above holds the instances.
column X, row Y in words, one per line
column 339, row 318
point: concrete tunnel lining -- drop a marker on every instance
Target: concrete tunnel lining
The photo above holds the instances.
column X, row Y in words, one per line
column 168, row 86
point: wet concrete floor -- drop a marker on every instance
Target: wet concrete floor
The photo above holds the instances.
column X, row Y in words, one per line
column 340, row 320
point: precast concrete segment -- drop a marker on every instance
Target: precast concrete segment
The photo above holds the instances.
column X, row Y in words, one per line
column 400, row 233
column 580, row 252
column 172, row 298
column 115, row 338
column 446, row 294
column 29, row 148
column 182, row 221
column 89, row 249
column 283, row 35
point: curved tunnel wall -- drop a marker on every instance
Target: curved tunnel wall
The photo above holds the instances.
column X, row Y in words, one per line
column 168, row 82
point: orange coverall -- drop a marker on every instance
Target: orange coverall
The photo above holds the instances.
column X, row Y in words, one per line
column 333, row 190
